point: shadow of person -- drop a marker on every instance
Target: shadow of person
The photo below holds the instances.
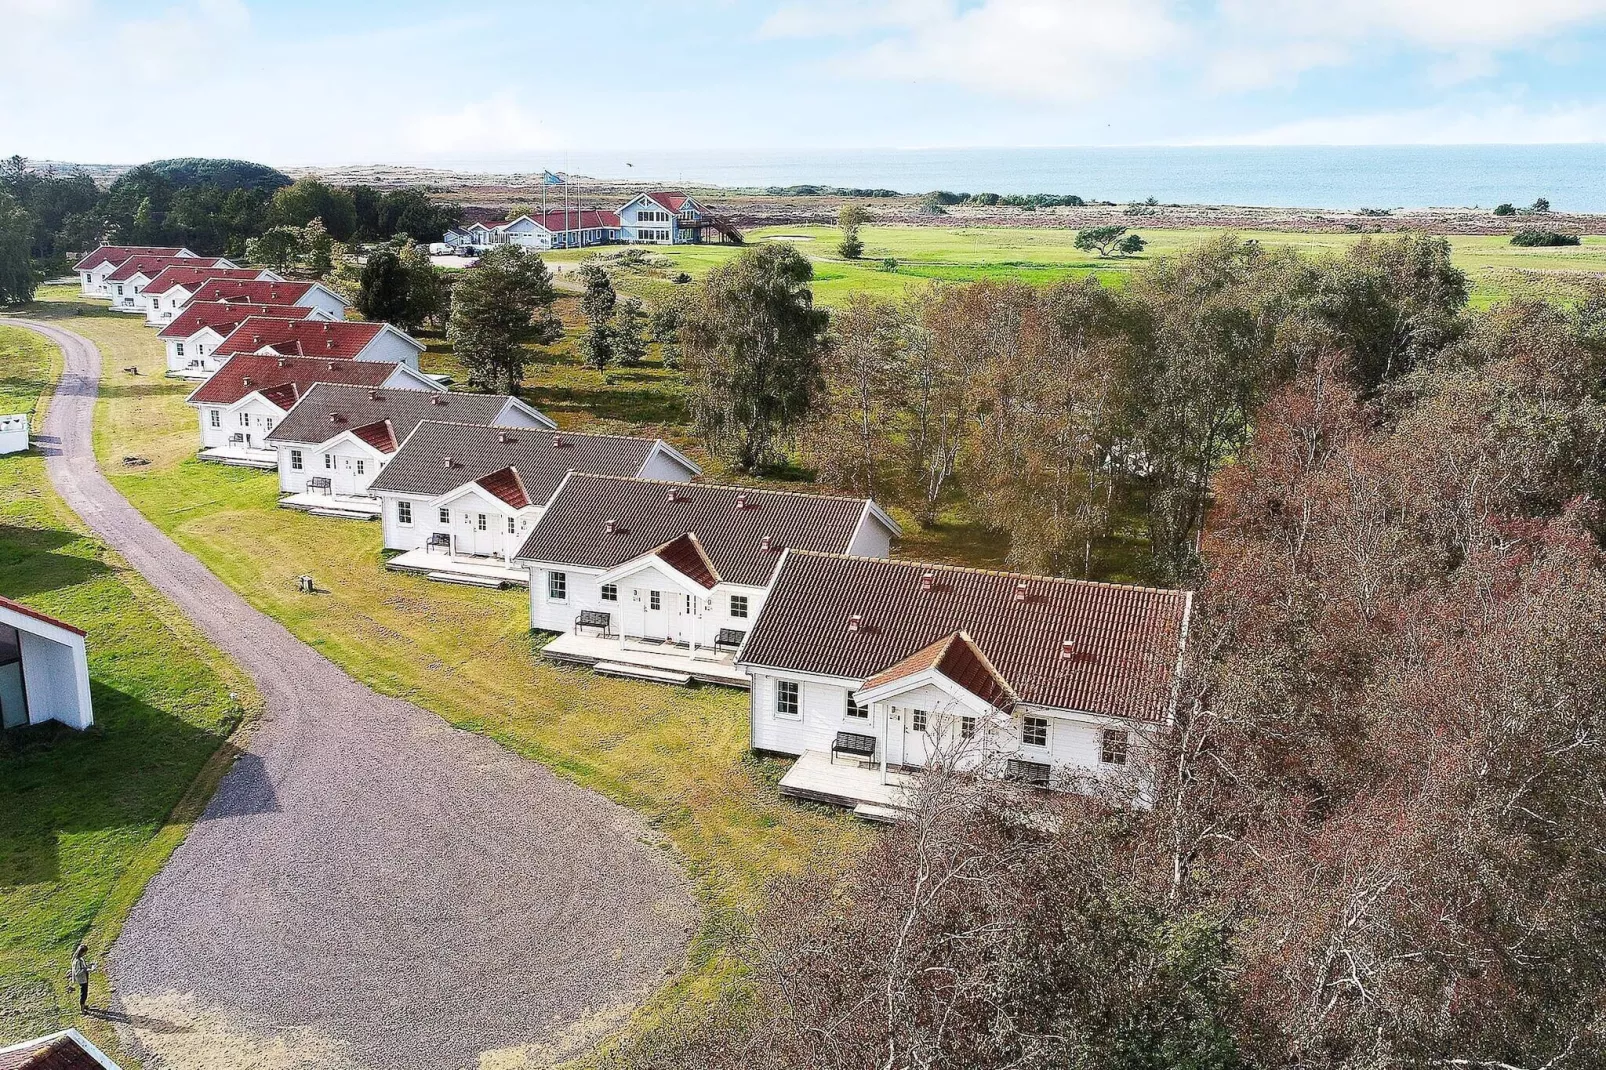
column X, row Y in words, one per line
column 137, row 1021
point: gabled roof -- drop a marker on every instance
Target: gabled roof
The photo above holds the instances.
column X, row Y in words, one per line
column 958, row 658
column 543, row 458
column 556, row 219
column 153, row 265
column 116, row 254
column 1097, row 648
column 282, row 380
column 224, row 316
column 190, row 277
column 742, row 530
column 260, row 293
column 379, row 434
column 685, row 554
column 336, row 339
column 670, row 199
column 329, row 409
column 18, row 607
column 505, row 485
column 67, row 1050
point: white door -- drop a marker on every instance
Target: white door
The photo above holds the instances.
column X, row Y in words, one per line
column 348, row 475
column 655, row 614
column 475, row 534
column 895, row 728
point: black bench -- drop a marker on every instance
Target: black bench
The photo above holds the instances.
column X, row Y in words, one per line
column 593, row 618
column 1024, row 772
column 439, row 538
column 856, row 744
column 319, row 483
column 729, row 637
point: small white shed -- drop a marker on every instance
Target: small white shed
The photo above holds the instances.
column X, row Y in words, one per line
column 13, row 432
column 44, row 672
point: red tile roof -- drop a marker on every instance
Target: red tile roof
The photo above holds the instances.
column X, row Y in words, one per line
column 958, row 658
column 742, row 530
column 224, row 316
column 670, row 199
column 59, row 1052
column 505, row 484
column 556, row 219
column 379, row 434
column 152, row 265
column 260, row 293
column 36, row 615
column 116, row 254
column 1098, row 648
column 685, row 555
column 189, row 277
column 337, row 339
column 284, row 379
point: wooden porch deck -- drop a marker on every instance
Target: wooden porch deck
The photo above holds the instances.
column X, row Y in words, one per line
column 709, row 666
column 845, row 782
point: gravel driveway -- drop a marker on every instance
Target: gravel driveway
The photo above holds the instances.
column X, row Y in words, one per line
column 370, row 887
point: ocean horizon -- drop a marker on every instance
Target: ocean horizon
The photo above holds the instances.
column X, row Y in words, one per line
column 1572, row 176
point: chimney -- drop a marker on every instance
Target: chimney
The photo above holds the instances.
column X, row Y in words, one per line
column 373, row 395
column 928, row 580
column 436, row 399
column 557, row 440
column 447, row 461
column 325, row 326
column 855, row 622
column 329, row 344
column 764, row 544
column 1020, row 591
column 256, row 339
column 741, row 501
column 331, row 365
column 1068, row 649
column 674, row 495
column 245, row 380
column 283, row 363
column 609, row 527
column 334, row 417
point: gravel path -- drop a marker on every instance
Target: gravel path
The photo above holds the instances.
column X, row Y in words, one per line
column 370, row 888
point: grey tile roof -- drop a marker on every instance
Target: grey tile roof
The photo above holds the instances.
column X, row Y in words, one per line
column 574, row 528
column 476, row 450
column 329, row 409
column 1123, row 641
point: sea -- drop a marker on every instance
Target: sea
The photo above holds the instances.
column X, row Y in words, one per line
column 1571, row 177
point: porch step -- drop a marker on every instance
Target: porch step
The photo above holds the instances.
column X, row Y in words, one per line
column 338, row 514
column 884, row 815
column 641, row 672
column 466, row 580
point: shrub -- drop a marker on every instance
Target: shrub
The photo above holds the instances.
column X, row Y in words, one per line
column 1535, row 237
column 890, row 264
column 1505, row 209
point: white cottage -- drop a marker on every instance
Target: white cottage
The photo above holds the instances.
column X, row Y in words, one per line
column 315, row 295
column 248, row 396
column 338, row 438
column 464, row 497
column 672, row 575
column 93, row 269
column 332, row 339
column 882, row 666
column 165, row 295
column 126, row 281
column 44, row 670
column 663, row 217
column 192, row 338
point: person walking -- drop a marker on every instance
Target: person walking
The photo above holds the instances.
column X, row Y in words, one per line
column 79, row 973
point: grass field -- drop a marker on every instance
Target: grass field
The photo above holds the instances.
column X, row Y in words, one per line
column 677, row 755
column 87, row 818
column 1044, row 255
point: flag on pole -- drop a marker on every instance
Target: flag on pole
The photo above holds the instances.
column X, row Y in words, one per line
column 550, row 179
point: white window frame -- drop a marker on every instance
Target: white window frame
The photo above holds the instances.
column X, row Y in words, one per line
column 739, row 607
column 610, row 592
column 1032, row 724
column 853, row 710
column 296, row 462
column 482, row 522
column 1115, row 746
column 512, row 525
column 444, row 515
column 404, row 513
column 969, row 726
column 789, row 694
column 178, row 348
column 919, row 720
column 359, row 466
column 328, row 462
column 217, row 417
column 557, row 586
column 655, row 601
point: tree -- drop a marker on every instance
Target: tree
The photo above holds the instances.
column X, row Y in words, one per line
column 1540, row 206
column 278, row 248
column 1130, row 245
column 663, row 326
column 861, row 402
column 385, row 293
column 1505, row 209
column 429, row 292
column 629, row 332
column 597, row 305
column 501, row 306
column 752, row 348
column 17, row 281
column 307, row 199
column 1099, row 239
column 850, row 218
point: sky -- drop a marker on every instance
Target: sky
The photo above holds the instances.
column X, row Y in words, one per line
column 309, row 82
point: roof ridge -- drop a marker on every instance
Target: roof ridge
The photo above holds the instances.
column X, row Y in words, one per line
column 541, row 430
column 730, row 486
column 997, row 572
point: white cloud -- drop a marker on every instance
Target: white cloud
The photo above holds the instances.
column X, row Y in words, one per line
column 1448, row 25
column 1492, row 125
column 499, row 123
column 845, row 18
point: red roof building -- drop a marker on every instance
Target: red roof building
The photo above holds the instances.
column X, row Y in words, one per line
column 189, row 277
column 282, row 380
column 256, row 293
column 331, row 340
column 116, row 254
column 223, row 316
column 151, row 266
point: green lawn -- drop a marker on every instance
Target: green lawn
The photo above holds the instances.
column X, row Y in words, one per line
column 677, row 755
column 87, row 818
column 1043, row 255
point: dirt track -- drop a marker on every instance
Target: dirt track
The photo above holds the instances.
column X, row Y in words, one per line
column 369, row 888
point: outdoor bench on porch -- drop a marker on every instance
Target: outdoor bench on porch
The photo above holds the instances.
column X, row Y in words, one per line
column 730, row 637
column 856, row 744
column 1024, row 772
column 439, row 538
column 593, row 618
column 319, row 483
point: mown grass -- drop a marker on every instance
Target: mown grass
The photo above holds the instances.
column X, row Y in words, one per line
column 1495, row 268
column 679, row 756
column 87, row 818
